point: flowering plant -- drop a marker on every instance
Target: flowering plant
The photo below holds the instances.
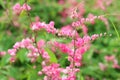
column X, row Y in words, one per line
column 47, row 47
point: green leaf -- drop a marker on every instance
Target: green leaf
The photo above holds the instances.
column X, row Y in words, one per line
column 2, row 3
column 80, row 76
column 52, row 56
column 117, row 33
column 23, row 13
column 4, row 60
column 21, row 55
column 32, row 74
column 13, row 72
column 3, row 77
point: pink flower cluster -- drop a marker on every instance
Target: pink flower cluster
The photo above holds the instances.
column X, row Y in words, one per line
column 90, row 19
column 17, row 8
column 34, row 51
column 113, row 60
column 67, row 10
column 53, row 72
column 81, row 45
column 102, row 4
column 42, row 25
column 67, row 31
column 25, row 43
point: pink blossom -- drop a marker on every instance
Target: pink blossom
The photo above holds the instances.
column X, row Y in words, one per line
column 2, row 53
column 29, row 55
column 61, row 1
column 95, row 36
column 64, row 48
column 109, row 58
column 102, row 66
column 80, row 50
column 102, row 18
column 116, row 66
column 79, row 42
column 11, row 78
column 50, row 28
column 17, row 45
column 12, row 59
column 42, row 25
column 12, row 52
column 52, row 71
column 25, row 43
column 17, row 8
column 26, row 7
column 32, row 49
column 103, row 4
column 39, row 73
column 84, row 29
column 87, row 39
column 35, row 26
column 67, row 31
column 92, row 18
column 45, row 55
column 40, row 43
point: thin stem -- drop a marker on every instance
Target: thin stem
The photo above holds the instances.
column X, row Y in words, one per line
column 34, row 32
column 28, row 13
column 74, row 38
column 118, row 35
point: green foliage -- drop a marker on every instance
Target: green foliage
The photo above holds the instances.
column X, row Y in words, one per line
column 53, row 58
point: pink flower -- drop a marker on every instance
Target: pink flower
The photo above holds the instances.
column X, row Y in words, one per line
column 39, row 73
column 17, row 8
column 92, row 17
column 42, row 25
column 61, row 1
column 25, row 43
column 12, row 59
column 39, row 25
column 116, row 66
column 40, row 43
column 102, row 66
column 84, row 29
column 16, row 45
column 65, row 31
column 2, row 53
column 45, row 55
column 50, row 28
column 109, row 58
column 103, row 4
column 64, row 48
column 12, row 52
column 26, row 7
column 87, row 39
column 80, row 50
column 95, row 36
column 35, row 26
column 79, row 42
column 52, row 71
